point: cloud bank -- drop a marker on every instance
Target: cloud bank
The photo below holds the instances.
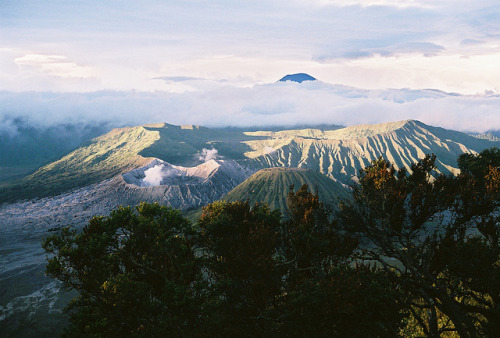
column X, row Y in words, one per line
column 277, row 104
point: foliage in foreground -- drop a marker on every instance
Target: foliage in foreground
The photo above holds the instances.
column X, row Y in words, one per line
column 410, row 255
column 136, row 273
column 436, row 238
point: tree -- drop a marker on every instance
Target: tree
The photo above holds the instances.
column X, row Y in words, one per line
column 348, row 301
column 239, row 245
column 290, row 278
column 479, row 165
column 311, row 242
column 435, row 236
column 135, row 272
column 326, row 293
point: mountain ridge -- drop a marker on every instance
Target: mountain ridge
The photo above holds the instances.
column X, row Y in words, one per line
column 338, row 153
column 343, row 152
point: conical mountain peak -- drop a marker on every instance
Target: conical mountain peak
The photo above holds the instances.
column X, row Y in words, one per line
column 299, row 78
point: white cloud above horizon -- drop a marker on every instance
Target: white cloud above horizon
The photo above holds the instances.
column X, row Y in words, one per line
column 383, row 3
column 208, row 62
column 280, row 104
column 89, row 46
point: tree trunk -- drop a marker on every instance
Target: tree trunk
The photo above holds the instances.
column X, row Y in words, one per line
column 464, row 326
column 433, row 323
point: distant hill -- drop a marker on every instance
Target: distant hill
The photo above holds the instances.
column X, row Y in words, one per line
column 271, row 186
column 491, row 135
column 25, row 144
column 299, row 77
column 25, row 147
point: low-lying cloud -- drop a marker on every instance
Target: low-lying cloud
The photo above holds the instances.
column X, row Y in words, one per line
column 279, row 104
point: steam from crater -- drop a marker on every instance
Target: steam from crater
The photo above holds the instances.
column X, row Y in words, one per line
column 208, row 154
column 153, row 176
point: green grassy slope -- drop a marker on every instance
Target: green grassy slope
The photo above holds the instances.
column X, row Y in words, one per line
column 105, row 156
column 271, row 186
column 124, row 149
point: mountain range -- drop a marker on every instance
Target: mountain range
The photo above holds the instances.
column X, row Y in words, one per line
column 187, row 167
column 201, row 162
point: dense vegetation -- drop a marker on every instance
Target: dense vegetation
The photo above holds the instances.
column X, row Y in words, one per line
column 413, row 253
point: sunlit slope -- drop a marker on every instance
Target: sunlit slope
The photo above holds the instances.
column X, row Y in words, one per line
column 124, row 149
column 105, row 156
column 271, row 186
column 342, row 153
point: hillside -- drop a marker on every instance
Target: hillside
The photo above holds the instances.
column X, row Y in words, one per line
column 341, row 153
column 338, row 153
column 125, row 149
column 271, row 186
column 106, row 156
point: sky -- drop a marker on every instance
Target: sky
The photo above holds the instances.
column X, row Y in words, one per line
column 215, row 62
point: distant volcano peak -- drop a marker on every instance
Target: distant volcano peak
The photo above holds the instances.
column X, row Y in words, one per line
column 299, row 77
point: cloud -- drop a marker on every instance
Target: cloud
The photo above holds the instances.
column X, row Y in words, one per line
column 426, row 49
column 178, row 78
column 208, row 154
column 470, row 42
column 53, row 65
column 169, row 79
column 405, row 4
column 384, row 3
column 277, row 104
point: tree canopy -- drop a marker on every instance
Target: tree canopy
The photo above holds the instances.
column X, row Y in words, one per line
column 136, row 273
